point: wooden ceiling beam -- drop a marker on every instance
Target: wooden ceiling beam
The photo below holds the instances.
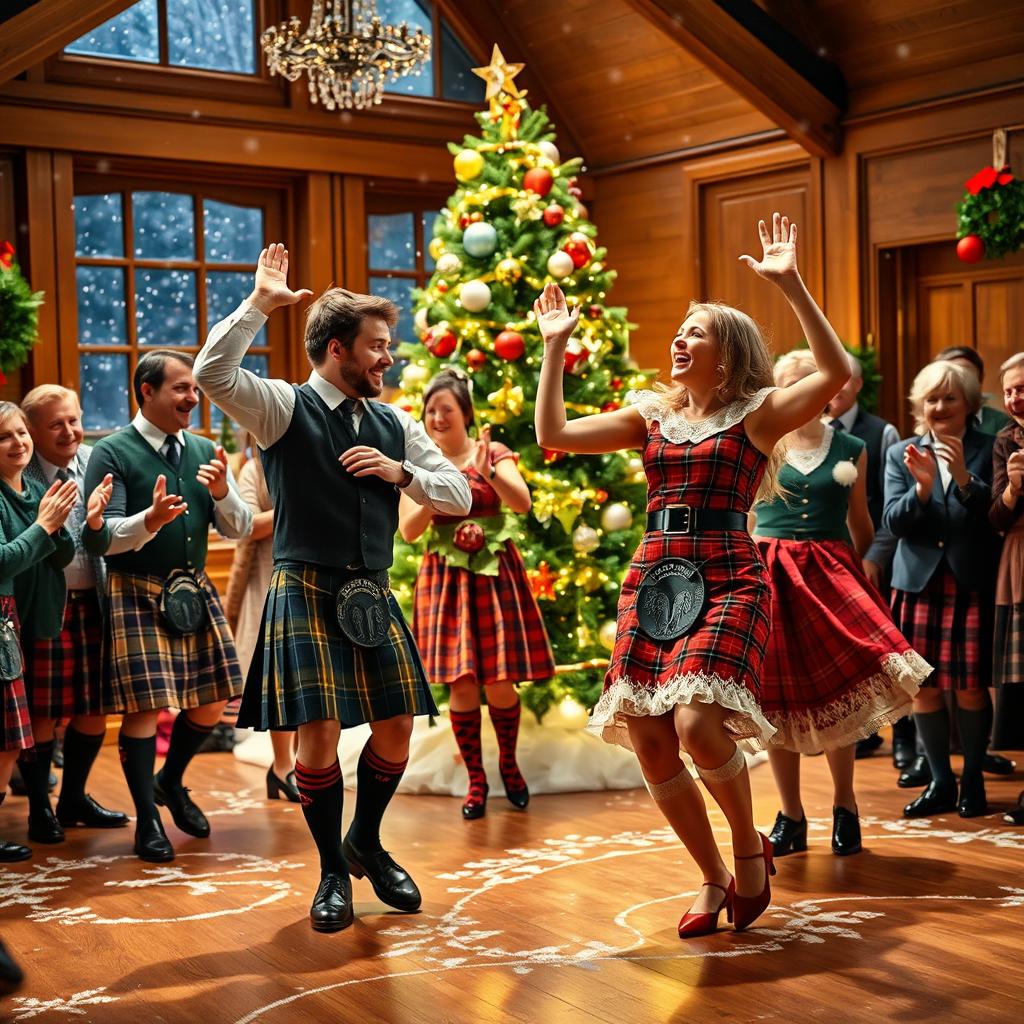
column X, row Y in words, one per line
column 769, row 67
column 46, row 27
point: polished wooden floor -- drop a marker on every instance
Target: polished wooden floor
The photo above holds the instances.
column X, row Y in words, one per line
column 564, row 914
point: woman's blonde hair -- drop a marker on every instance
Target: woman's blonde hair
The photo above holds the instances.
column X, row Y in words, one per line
column 9, row 410
column 942, row 374
column 1011, row 364
column 745, row 367
column 799, row 360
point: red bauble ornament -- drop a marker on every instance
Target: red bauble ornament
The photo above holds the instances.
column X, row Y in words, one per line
column 594, row 312
column 970, row 248
column 405, row 406
column 582, row 212
column 440, row 342
column 552, row 456
column 441, row 286
column 538, row 180
column 600, row 497
column 464, row 221
column 475, row 359
column 469, row 537
column 610, row 407
column 616, row 383
column 509, row 345
column 553, row 215
column 575, row 361
column 578, row 248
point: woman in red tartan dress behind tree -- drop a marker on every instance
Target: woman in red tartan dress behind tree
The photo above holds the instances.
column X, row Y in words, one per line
column 475, row 618
column 709, row 447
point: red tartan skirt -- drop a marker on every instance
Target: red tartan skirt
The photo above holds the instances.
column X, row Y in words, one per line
column 951, row 628
column 837, row 669
column 488, row 627
column 718, row 661
column 15, row 726
column 63, row 675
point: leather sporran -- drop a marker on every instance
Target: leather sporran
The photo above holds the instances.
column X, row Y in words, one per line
column 11, row 665
column 670, row 599
column 364, row 614
column 183, row 603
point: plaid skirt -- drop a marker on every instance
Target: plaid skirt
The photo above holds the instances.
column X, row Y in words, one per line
column 63, row 676
column 837, row 669
column 951, row 628
column 304, row 669
column 148, row 667
column 718, row 661
column 488, row 627
column 15, row 725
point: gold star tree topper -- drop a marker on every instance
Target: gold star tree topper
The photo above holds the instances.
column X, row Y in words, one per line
column 499, row 75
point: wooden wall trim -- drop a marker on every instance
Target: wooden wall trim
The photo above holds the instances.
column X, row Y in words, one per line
column 40, row 266
column 352, row 228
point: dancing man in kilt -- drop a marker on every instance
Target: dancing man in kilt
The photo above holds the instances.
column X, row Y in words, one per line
column 167, row 643
column 335, row 650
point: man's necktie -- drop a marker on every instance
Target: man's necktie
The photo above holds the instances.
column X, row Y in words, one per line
column 172, row 450
column 836, row 425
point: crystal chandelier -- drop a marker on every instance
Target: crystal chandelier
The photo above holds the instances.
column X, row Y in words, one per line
column 346, row 51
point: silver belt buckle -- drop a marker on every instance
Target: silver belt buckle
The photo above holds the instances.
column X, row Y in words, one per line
column 687, row 526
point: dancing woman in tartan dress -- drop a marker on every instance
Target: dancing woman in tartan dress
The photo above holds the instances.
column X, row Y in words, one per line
column 477, row 625
column 709, row 445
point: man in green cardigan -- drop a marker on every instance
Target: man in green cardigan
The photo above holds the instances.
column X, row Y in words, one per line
column 167, row 641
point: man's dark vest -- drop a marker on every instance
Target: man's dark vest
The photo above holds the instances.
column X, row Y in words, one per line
column 870, row 429
column 323, row 514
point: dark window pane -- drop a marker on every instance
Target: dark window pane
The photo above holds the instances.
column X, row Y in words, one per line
column 216, row 34
column 99, row 225
column 457, row 79
column 130, row 35
column 416, row 13
column 104, row 390
column 392, row 241
column 232, row 234
column 429, row 216
column 398, row 290
column 164, row 225
column 101, row 306
column 258, row 364
column 165, row 307
column 224, row 291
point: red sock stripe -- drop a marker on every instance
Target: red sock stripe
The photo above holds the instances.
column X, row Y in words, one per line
column 378, row 764
column 317, row 778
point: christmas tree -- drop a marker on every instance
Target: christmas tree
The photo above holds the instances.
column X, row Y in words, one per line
column 514, row 223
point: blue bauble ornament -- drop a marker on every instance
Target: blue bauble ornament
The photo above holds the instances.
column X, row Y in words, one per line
column 480, row 239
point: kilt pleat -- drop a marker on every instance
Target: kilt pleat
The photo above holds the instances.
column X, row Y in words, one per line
column 304, row 669
column 15, row 726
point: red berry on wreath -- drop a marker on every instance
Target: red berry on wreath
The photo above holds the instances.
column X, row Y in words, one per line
column 970, row 249
column 538, row 180
column 509, row 345
column 553, row 215
column 440, row 342
column 469, row 537
column 475, row 359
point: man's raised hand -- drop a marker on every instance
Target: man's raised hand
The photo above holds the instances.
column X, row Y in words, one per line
column 165, row 508
column 271, row 290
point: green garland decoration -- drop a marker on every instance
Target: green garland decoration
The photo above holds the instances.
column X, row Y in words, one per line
column 993, row 210
column 496, row 529
column 19, row 313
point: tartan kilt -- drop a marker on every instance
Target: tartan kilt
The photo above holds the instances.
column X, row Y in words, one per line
column 836, row 669
column 15, row 725
column 304, row 669
column 488, row 627
column 949, row 627
column 63, row 676
column 148, row 667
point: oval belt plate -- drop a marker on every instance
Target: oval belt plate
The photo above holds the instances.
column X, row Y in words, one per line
column 670, row 599
column 183, row 603
column 10, row 654
column 363, row 613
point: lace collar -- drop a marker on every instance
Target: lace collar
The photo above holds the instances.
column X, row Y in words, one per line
column 808, row 460
column 675, row 427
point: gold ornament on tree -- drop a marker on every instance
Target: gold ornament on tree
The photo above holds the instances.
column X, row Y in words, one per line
column 616, row 516
column 506, row 402
column 508, row 271
column 606, row 634
column 585, row 539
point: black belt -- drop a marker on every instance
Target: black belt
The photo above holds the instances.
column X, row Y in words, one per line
column 687, row 519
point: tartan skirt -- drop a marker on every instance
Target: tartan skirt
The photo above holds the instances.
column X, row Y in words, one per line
column 63, row 676
column 951, row 628
column 718, row 661
column 15, row 726
column 304, row 669
column 148, row 667
column 487, row 627
column 837, row 669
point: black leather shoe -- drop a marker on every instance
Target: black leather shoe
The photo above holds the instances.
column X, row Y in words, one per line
column 392, row 883
column 518, row 798
column 935, row 799
column 996, row 764
column 867, row 746
column 903, row 752
column 788, row 835
column 11, row 975
column 845, row 832
column 184, row 811
column 43, row 827
column 973, row 802
column 90, row 814
column 278, row 787
column 151, row 842
column 918, row 774
column 10, row 853
column 472, row 808
column 332, row 905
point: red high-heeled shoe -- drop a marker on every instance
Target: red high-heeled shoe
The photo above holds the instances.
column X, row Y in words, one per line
column 749, row 908
column 693, row 925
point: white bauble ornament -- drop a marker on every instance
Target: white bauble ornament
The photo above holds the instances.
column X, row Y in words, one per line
column 475, row 296
column 550, row 150
column 560, row 265
column 606, row 634
column 616, row 516
column 420, row 320
column 449, row 263
column 585, row 539
column 414, row 374
column 635, row 470
column 479, row 239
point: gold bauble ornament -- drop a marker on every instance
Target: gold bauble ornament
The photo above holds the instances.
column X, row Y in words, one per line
column 635, row 471
column 436, row 248
column 506, row 402
column 616, row 516
column 585, row 539
column 606, row 634
column 468, row 165
column 508, row 271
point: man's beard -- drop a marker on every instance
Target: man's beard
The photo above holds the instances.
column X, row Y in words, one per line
column 358, row 380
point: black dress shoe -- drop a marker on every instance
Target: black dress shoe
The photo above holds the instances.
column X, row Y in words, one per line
column 935, row 799
column 10, row 853
column 90, row 814
column 184, row 811
column 392, row 883
column 472, row 808
column 845, row 832
column 903, row 752
column 278, row 787
column 996, row 764
column 11, row 976
column 332, row 905
column 973, row 802
column 918, row 774
column 788, row 835
column 43, row 827
column 867, row 746
column 1016, row 816
column 151, row 842
column 517, row 797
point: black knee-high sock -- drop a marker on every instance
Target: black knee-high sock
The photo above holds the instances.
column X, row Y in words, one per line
column 35, row 772
column 376, row 782
column 974, row 727
column 138, row 757
column 904, row 728
column 933, row 730
column 186, row 738
column 80, row 750
column 322, row 794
